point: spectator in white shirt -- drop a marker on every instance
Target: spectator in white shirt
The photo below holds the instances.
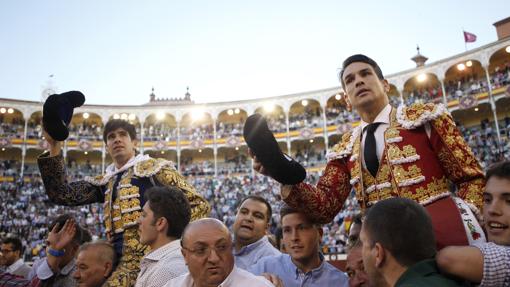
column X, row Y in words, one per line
column 164, row 217
column 207, row 249
column 11, row 253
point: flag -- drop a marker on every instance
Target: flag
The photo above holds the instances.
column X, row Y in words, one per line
column 469, row 37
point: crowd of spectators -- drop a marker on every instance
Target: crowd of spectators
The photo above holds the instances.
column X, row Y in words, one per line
column 197, row 132
column 310, row 118
column 159, row 131
column 225, row 130
column 309, row 156
column 26, row 210
column 337, row 115
column 86, row 130
column 13, row 128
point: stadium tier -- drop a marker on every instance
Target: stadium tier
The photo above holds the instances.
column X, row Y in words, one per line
column 205, row 140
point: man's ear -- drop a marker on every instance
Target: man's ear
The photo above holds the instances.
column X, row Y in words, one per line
column 184, row 254
column 348, row 104
column 108, row 268
column 379, row 254
column 162, row 224
column 321, row 231
column 386, row 85
column 135, row 143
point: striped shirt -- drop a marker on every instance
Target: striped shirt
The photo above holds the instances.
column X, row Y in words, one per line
column 161, row 265
column 496, row 264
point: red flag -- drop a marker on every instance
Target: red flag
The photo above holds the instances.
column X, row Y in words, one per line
column 469, row 37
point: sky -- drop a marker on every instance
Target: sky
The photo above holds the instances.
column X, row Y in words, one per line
column 116, row 51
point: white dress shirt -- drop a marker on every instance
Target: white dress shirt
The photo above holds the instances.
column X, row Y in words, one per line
column 237, row 278
column 384, row 118
column 161, row 265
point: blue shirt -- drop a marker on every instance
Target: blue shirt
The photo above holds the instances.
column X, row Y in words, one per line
column 249, row 255
column 325, row 275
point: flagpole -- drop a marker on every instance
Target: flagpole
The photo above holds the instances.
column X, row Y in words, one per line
column 463, row 35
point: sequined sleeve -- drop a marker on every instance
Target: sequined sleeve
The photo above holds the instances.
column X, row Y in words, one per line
column 62, row 192
column 199, row 206
column 457, row 159
column 324, row 201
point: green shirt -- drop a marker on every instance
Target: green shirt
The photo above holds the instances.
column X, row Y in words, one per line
column 425, row 273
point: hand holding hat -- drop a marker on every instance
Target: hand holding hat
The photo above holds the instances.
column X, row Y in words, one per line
column 266, row 150
column 58, row 112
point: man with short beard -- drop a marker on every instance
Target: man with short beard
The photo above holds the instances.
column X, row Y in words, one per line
column 164, row 217
column 250, row 228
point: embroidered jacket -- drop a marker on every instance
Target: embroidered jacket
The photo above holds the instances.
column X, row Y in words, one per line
column 122, row 195
column 413, row 165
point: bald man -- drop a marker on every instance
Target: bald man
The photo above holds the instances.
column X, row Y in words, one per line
column 207, row 250
column 94, row 263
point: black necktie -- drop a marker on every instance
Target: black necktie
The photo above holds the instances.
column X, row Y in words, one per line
column 370, row 151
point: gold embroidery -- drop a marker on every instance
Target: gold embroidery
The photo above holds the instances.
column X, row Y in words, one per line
column 435, row 187
column 392, row 133
column 394, row 151
column 129, row 266
column 401, row 174
column 384, row 174
column 126, row 191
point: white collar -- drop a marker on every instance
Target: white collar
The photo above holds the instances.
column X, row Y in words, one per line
column 231, row 278
column 382, row 117
column 113, row 170
column 161, row 252
column 14, row 266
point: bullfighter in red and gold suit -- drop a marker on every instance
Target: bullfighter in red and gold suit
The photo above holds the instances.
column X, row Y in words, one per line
column 413, row 152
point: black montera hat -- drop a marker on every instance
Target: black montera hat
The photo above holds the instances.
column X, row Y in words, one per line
column 264, row 146
column 58, row 111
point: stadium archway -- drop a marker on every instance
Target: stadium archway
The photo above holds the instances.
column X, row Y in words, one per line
column 422, row 88
column 337, row 113
column 86, row 126
column 230, row 123
column 197, row 126
column 306, row 113
column 309, row 152
column 233, row 160
column 465, row 78
column 160, row 127
column 197, row 162
column 12, row 123
column 276, row 119
column 34, row 127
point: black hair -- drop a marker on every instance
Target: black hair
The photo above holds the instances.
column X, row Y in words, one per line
column 403, row 227
column 360, row 58
column 113, row 125
column 171, row 203
column 500, row 170
column 15, row 242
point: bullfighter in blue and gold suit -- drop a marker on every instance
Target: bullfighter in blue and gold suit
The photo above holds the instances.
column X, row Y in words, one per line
column 121, row 190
